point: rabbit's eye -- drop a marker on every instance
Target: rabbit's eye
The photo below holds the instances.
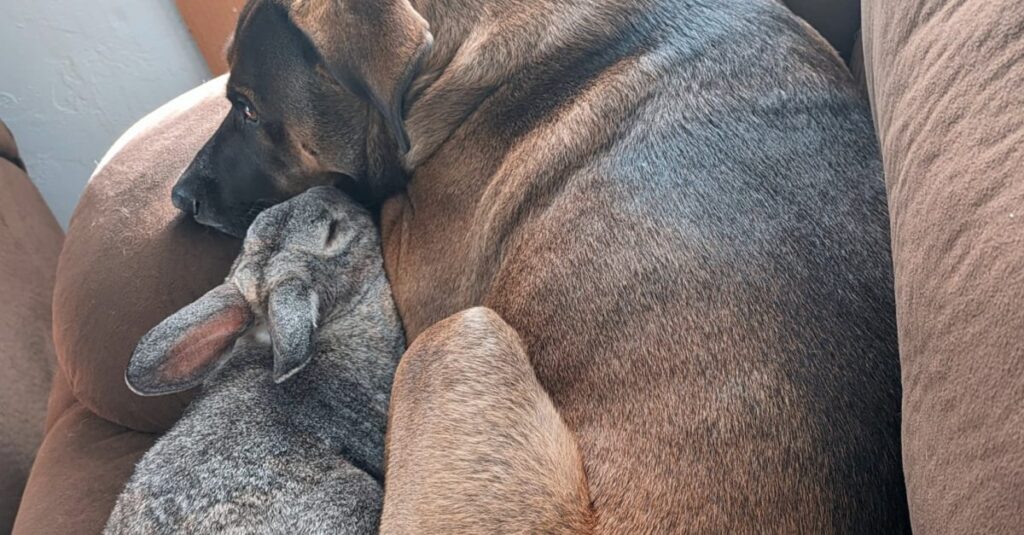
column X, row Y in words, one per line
column 332, row 233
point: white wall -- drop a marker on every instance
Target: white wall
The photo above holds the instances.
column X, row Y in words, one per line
column 74, row 74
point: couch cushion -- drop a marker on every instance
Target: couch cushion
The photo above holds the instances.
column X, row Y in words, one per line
column 30, row 240
column 946, row 81
column 130, row 259
column 81, row 468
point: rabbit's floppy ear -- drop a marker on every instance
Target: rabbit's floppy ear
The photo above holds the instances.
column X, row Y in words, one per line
column 185, row 348
column 293, row 310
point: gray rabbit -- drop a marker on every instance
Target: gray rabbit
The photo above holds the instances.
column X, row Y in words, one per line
column 256, row 452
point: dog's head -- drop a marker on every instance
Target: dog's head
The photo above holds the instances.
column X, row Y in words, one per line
column 317, row 90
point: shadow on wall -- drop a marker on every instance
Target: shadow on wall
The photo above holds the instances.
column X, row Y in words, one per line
column 76, row 74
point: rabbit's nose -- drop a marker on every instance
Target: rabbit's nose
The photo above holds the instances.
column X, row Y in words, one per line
column 185, row 200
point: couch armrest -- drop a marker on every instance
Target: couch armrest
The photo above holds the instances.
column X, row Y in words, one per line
column 80, row 470
column 30, row 240
column 129, row 261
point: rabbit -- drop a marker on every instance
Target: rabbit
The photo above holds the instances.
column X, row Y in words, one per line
column 296, row 446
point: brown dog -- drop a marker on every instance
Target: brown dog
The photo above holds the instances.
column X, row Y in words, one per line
column 675, row 205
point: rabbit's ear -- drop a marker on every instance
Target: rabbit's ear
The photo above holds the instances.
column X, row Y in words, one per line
column 185, row 348
column 293, row 311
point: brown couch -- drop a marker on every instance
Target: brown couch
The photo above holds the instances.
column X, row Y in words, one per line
column 30, row 241
column 946, row 85
column 128, row 262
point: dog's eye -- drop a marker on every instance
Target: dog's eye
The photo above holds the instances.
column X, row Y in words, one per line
column 249, row 113
column 246, row 109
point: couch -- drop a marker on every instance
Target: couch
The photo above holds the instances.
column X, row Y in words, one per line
column 945, row 81
column 30, row 240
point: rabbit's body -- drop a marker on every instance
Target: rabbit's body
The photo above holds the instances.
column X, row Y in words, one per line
column 303, row 456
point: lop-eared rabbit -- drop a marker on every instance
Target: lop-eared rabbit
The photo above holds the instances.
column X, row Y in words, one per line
column 257, row 452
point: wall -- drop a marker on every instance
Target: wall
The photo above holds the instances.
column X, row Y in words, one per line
column 75, row 74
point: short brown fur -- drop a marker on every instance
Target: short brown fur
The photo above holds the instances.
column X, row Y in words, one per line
column 475, row 444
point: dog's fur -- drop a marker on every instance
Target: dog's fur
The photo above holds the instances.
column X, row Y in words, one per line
column 479, row 440
column 677, row 204
column 250, row 455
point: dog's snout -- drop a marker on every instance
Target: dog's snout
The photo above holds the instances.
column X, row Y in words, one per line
column 185, row 200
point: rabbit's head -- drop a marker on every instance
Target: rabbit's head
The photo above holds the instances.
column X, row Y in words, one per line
column 300, row 260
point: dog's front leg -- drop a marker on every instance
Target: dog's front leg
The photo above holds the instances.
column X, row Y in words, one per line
column 474, row 443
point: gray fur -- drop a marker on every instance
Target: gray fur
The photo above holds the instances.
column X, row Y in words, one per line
column 303, row 456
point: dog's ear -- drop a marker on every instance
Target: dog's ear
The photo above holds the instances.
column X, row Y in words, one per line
column 372, row 46
column 185, row 348
column 293, row 309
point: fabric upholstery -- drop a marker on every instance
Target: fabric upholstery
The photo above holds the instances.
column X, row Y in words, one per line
column 81, row 467
column 30, row 240
column 946, row 82
column 130, row 260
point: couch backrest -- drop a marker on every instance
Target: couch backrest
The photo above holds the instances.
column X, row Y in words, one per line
column 947, row 86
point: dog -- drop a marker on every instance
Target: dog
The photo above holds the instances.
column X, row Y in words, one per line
column 674, row 214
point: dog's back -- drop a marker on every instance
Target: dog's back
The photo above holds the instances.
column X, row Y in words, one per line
column 692, row 241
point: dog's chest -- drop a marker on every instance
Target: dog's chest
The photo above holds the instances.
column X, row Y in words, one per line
column 427, row 258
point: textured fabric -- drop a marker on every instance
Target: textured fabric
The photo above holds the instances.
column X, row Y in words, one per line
column 30, row 241
column 81, row 468
column 130, row 260
column 946, row 81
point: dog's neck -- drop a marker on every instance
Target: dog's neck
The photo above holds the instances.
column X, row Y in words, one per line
column 478, row 46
